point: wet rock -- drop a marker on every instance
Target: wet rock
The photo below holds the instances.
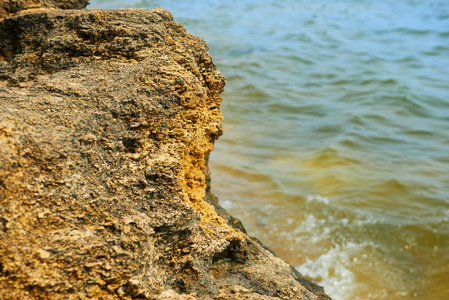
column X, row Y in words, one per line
column 107, row 119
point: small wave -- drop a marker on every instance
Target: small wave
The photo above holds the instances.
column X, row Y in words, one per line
column 243, row 173
column 250, row 90
column 403, row 30
column 244, row 51
column 402, row 103
column 332, row 271
column 344, row 268
column 388, row 188
column 318, row 198
column 328, row 158
column 418, row 132
column 298, row 37
column 381, row 82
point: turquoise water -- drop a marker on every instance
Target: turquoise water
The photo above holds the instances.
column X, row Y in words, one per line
column 336, row 144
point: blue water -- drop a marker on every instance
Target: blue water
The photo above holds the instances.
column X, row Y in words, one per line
column 336, row 144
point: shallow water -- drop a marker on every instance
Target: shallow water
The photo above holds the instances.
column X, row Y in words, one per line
column 336, row 144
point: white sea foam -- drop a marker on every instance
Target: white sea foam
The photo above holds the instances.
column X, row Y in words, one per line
column 333, row 269
column 317, row 198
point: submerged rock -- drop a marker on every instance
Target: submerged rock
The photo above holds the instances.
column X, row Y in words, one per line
column 107, row 119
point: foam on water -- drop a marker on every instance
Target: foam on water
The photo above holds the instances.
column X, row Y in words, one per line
column 331, row 268
column 320, row 199
column 342, row 259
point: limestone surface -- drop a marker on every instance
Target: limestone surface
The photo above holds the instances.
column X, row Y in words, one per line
column 107, row 119
column 10, row 7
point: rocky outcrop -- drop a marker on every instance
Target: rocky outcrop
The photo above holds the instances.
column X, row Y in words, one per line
column 107, row 119
column 10, row 7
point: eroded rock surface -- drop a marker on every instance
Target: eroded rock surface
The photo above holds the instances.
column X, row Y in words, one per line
column 107, row 119
column 10, row 7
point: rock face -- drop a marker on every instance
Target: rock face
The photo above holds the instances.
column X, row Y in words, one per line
column 107, row 119
column 9, row 7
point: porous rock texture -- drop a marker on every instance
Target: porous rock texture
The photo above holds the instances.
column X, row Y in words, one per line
column 107, row 119
column 10, row 7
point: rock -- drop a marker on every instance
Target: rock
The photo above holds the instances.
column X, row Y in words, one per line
column 107, row 119
column 10, row 7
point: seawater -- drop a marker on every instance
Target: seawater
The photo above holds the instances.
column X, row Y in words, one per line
column 336, row 145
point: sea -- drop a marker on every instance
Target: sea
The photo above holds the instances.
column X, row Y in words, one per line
column 335, row 151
